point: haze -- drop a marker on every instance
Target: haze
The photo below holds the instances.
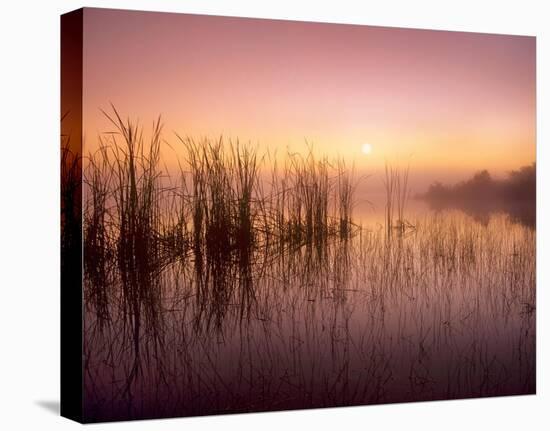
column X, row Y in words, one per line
column 450, row 103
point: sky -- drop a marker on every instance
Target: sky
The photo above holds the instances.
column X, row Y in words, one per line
column 447, row 103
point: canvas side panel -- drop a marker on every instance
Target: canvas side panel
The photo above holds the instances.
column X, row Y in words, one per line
column 71, row 215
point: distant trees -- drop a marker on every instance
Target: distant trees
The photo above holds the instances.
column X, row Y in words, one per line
column 519, row 185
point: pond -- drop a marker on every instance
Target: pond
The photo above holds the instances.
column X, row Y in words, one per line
column 442, row 310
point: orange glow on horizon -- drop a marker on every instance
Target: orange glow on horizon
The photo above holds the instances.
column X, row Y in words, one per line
column 450, row 102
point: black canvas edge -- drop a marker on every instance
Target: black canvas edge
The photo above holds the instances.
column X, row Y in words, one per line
column 71, row 231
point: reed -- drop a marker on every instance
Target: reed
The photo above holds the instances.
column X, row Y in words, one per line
column 346, row 187
column 396, row 185
column 97, row 244
column 137, row 196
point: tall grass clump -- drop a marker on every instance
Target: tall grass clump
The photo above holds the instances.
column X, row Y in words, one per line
column 396, row 185
column 218, row 215
column 97, row 244
column 307, row 200
column 245, row 172
column 137, row 195
column 346, row 188
column 224, row 205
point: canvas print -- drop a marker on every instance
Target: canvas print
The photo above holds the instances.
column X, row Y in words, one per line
column 288, row 215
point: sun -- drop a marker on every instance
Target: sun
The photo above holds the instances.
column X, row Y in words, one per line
column 366, row 148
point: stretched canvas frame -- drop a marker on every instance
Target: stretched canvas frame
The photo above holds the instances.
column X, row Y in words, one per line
column 204, row 274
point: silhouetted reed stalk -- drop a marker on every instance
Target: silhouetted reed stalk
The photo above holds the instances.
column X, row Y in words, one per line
column 396, row 184
column 346, row 192
column 98, row 245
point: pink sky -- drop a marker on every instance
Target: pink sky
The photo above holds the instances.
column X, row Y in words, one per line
column 449, row 102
